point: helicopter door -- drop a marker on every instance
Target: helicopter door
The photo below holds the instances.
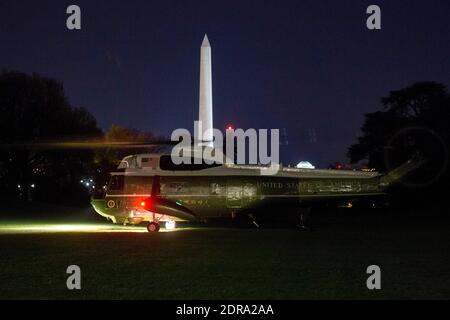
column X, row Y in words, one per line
column 234, row 194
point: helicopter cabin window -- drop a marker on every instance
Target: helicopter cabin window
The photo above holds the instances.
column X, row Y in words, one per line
column 165, row 163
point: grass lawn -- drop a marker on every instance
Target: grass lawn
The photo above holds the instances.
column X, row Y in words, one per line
column 223, row 263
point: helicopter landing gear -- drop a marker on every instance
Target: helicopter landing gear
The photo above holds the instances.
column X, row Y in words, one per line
column 153, row 227
column 252, row 218
column 305, row 214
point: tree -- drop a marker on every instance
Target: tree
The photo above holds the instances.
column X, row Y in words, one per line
column 34, row 109
column 424, row 104
column 124, row 141
column 414, row 120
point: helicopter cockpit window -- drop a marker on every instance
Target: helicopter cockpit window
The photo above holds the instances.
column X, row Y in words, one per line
column 165, row 163
column 130, row 184
column 116, row 183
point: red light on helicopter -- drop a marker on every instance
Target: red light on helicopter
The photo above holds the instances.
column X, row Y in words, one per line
column 145, row 204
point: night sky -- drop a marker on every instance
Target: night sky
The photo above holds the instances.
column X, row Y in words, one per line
column 310, row 68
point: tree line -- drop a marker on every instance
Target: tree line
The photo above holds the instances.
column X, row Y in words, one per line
column 38, row 128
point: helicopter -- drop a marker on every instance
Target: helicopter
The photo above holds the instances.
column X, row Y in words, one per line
column 150, row 188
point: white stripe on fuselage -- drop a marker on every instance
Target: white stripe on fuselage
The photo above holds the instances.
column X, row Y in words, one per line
column 260, row 196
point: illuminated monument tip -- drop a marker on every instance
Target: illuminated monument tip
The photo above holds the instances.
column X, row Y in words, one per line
column 205, row 42
column 205, row 110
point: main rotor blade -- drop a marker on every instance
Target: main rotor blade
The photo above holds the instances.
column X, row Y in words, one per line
column 80, row 145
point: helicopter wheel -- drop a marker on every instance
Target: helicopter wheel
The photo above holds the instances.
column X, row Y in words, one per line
column 153, row 227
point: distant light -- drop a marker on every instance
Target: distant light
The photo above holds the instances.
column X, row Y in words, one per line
column 305, row 165
column 230, row 127
column 32, row 185
column 142, row 203
column 170, row 225
column 18, row 186
column 81, row 181
column 87, row 184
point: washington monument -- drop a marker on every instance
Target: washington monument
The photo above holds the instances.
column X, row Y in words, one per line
column 205, row 109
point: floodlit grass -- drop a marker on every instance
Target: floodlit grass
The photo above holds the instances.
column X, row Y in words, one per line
column 327, row 263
